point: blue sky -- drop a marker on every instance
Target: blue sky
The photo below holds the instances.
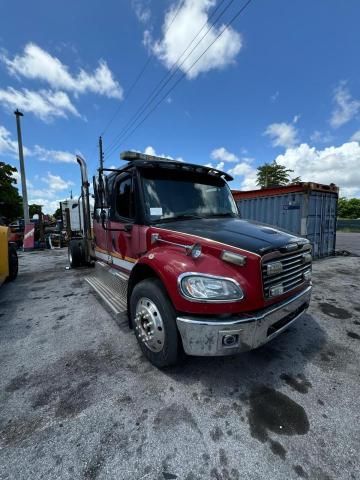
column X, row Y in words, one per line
column 283, row 83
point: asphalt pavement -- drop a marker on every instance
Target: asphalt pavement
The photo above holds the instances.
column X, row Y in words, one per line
column 348, row 241
column 79, row 401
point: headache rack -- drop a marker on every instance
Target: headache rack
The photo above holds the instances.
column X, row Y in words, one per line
column 143, row 159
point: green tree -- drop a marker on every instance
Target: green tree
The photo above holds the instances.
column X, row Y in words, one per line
column 272, row 174
column 34, row 209
column 349, row 208
column 10, row 200
column 57, row 214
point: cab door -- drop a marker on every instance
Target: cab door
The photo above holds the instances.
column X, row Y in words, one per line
column 123, row 233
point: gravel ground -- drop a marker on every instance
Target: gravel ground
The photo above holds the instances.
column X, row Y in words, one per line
column 78, row 400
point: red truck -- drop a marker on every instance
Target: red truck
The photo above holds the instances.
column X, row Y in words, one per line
column 170, row 248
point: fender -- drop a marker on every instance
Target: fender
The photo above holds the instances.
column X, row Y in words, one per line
column 169, row 262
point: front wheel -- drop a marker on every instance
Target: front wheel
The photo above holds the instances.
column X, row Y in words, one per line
column 154, row 321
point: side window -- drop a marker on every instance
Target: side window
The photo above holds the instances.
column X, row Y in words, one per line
column 124, row 201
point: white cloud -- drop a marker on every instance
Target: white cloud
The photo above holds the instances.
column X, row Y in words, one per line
column 9, row 147
column 53, row 156
column 219, row 166
column 49, row 196
column 282, row 134
column 247, row 172
column 346, row 108
column 223, row 155
column 355, row 137
column 36, row 63
column 190, row 18
column 44, row 104
column 56, row 183
column 241, row 168
column 151, row 151
column 49, row 202
column 142, row 10
column 339, row 165
column 321, row 137
column 17, row 177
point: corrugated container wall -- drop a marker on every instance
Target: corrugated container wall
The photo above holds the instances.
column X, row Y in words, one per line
column 306, row 209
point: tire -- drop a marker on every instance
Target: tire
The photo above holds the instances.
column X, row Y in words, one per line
column 13, row 263
column 162, row 347
column 76, row 253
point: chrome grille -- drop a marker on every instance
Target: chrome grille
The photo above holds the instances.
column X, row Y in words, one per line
column 292, row 274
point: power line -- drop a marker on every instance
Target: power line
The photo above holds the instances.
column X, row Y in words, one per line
column 169, row 75
column 187, row 71
column 139, row 75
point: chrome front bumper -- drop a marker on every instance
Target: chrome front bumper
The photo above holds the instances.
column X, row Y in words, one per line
column 216, row 336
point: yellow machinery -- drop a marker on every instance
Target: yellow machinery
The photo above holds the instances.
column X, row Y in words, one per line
column 8, row 257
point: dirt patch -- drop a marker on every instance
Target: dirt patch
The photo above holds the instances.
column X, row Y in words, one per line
column 273, row 411
column 333, row 311
column 68, row 386
column 298, row 383
column 353, row 335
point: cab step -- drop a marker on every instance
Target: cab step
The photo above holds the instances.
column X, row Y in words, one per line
column 111, row 286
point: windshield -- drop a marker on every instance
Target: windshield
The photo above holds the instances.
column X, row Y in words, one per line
column 175, row 195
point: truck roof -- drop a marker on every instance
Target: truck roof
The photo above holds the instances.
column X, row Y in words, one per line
column 143, row 160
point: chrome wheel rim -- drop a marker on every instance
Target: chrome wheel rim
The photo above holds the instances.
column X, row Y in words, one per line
column 149, row 326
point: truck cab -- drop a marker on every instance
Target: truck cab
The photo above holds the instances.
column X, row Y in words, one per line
column 169, row 246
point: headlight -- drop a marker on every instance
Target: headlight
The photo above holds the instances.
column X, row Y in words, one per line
column 209, row 288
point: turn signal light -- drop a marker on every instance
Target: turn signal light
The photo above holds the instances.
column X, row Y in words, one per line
column 232, row 257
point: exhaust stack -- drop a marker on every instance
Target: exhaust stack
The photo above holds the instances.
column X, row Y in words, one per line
column 85, row 197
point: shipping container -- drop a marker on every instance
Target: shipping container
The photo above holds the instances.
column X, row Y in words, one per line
column 305, row 209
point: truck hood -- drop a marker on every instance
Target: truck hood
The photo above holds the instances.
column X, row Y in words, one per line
column 248, row 235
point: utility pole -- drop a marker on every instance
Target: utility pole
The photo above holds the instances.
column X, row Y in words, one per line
column 101, row 154
column 22, row 168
